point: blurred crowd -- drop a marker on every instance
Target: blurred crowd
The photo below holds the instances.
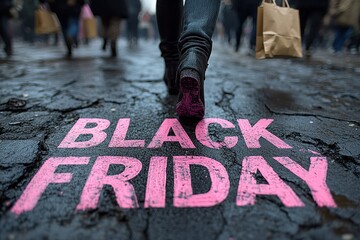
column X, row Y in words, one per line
column 329, row 24
column 114, row 18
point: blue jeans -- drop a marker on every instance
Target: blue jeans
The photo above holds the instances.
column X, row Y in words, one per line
column 70, row 28
column 187, row 42
column 342, row 34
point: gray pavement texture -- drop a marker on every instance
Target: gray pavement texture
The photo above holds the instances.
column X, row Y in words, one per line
column 314, row 104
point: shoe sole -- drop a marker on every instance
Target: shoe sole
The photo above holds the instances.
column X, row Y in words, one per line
column 190, row 104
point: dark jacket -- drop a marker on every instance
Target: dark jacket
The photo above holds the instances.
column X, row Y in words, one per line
column 109, row 8
column 134, row 7
column 66, row 7
column 239, row 5
column 324, row 4
column 5, row 6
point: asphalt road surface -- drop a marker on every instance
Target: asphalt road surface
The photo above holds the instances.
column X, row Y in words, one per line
column 91, row 148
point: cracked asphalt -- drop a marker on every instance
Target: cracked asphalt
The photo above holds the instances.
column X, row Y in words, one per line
column 314, row 104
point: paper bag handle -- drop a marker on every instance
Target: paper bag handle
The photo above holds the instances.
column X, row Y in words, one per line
column 285, row 3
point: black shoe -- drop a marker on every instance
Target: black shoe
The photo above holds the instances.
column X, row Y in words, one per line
column 69, row 51
column 237, row 47
column 170, row 78
column 104, row 45
column 113, row 50
column 191, row 101
column 8, row 51
column 69, row 46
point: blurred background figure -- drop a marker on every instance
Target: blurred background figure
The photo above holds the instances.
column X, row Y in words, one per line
column 5, row 6
column 85, row 13
column 68, row 12
column 345, row 16
column 134, row 9
column 147, row 29
column 246, row 9
column 111, row 13
column 8, row 9
column 354, row 43
column 27, row 20
column 228, row 20
column 311, row 18
column 44, row 38
column 312, row 14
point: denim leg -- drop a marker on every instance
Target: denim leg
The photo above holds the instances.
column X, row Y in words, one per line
column 73, row 28
column 169, row 17
column 195, row 41
column 341, row 35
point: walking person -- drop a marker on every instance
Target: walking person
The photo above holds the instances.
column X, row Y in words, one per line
column 111, row 13
column 228, row 19
column 68, row 12
column 134, row 9
column 5, row 6
column 311, row 14
column 345, row 15
column 185, row 47
column 246, row 9
column 27, row 16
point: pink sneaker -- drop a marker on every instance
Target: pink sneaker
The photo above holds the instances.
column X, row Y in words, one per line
column 191, row 98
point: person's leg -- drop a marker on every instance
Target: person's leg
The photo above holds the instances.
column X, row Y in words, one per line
column 169, row 18
column 73, row 30
column 253, row 29
column 342, row 34
column 114, row 30
column 5, row 35
column 227, row 29
column 130, row 29
column 105, row 23
column 316, row 17
column 136, row 28
column 195, row 48
column 64, row 22
column 357, row 43
column 241, row 20
column 304, row 16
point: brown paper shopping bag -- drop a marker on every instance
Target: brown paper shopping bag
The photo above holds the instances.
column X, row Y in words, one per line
column 46, row 22
column 88, row 23
column 90, row 27
column 278, row 31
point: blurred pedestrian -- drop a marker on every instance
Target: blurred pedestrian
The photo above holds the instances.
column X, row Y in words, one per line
column 5, row 14
column 345, row 15
column 246, row 9
column 111, row 13
column 146, row 25
column 27, row 17
column 311, row 18
column 228, row 19
column 68, row 12
column 354, row 43
column 185, row 47
column 134, row 9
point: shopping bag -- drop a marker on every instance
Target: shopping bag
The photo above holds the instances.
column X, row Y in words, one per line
column 90, row 27
column 278, row 31
column 46, row 22
column 88, row 24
